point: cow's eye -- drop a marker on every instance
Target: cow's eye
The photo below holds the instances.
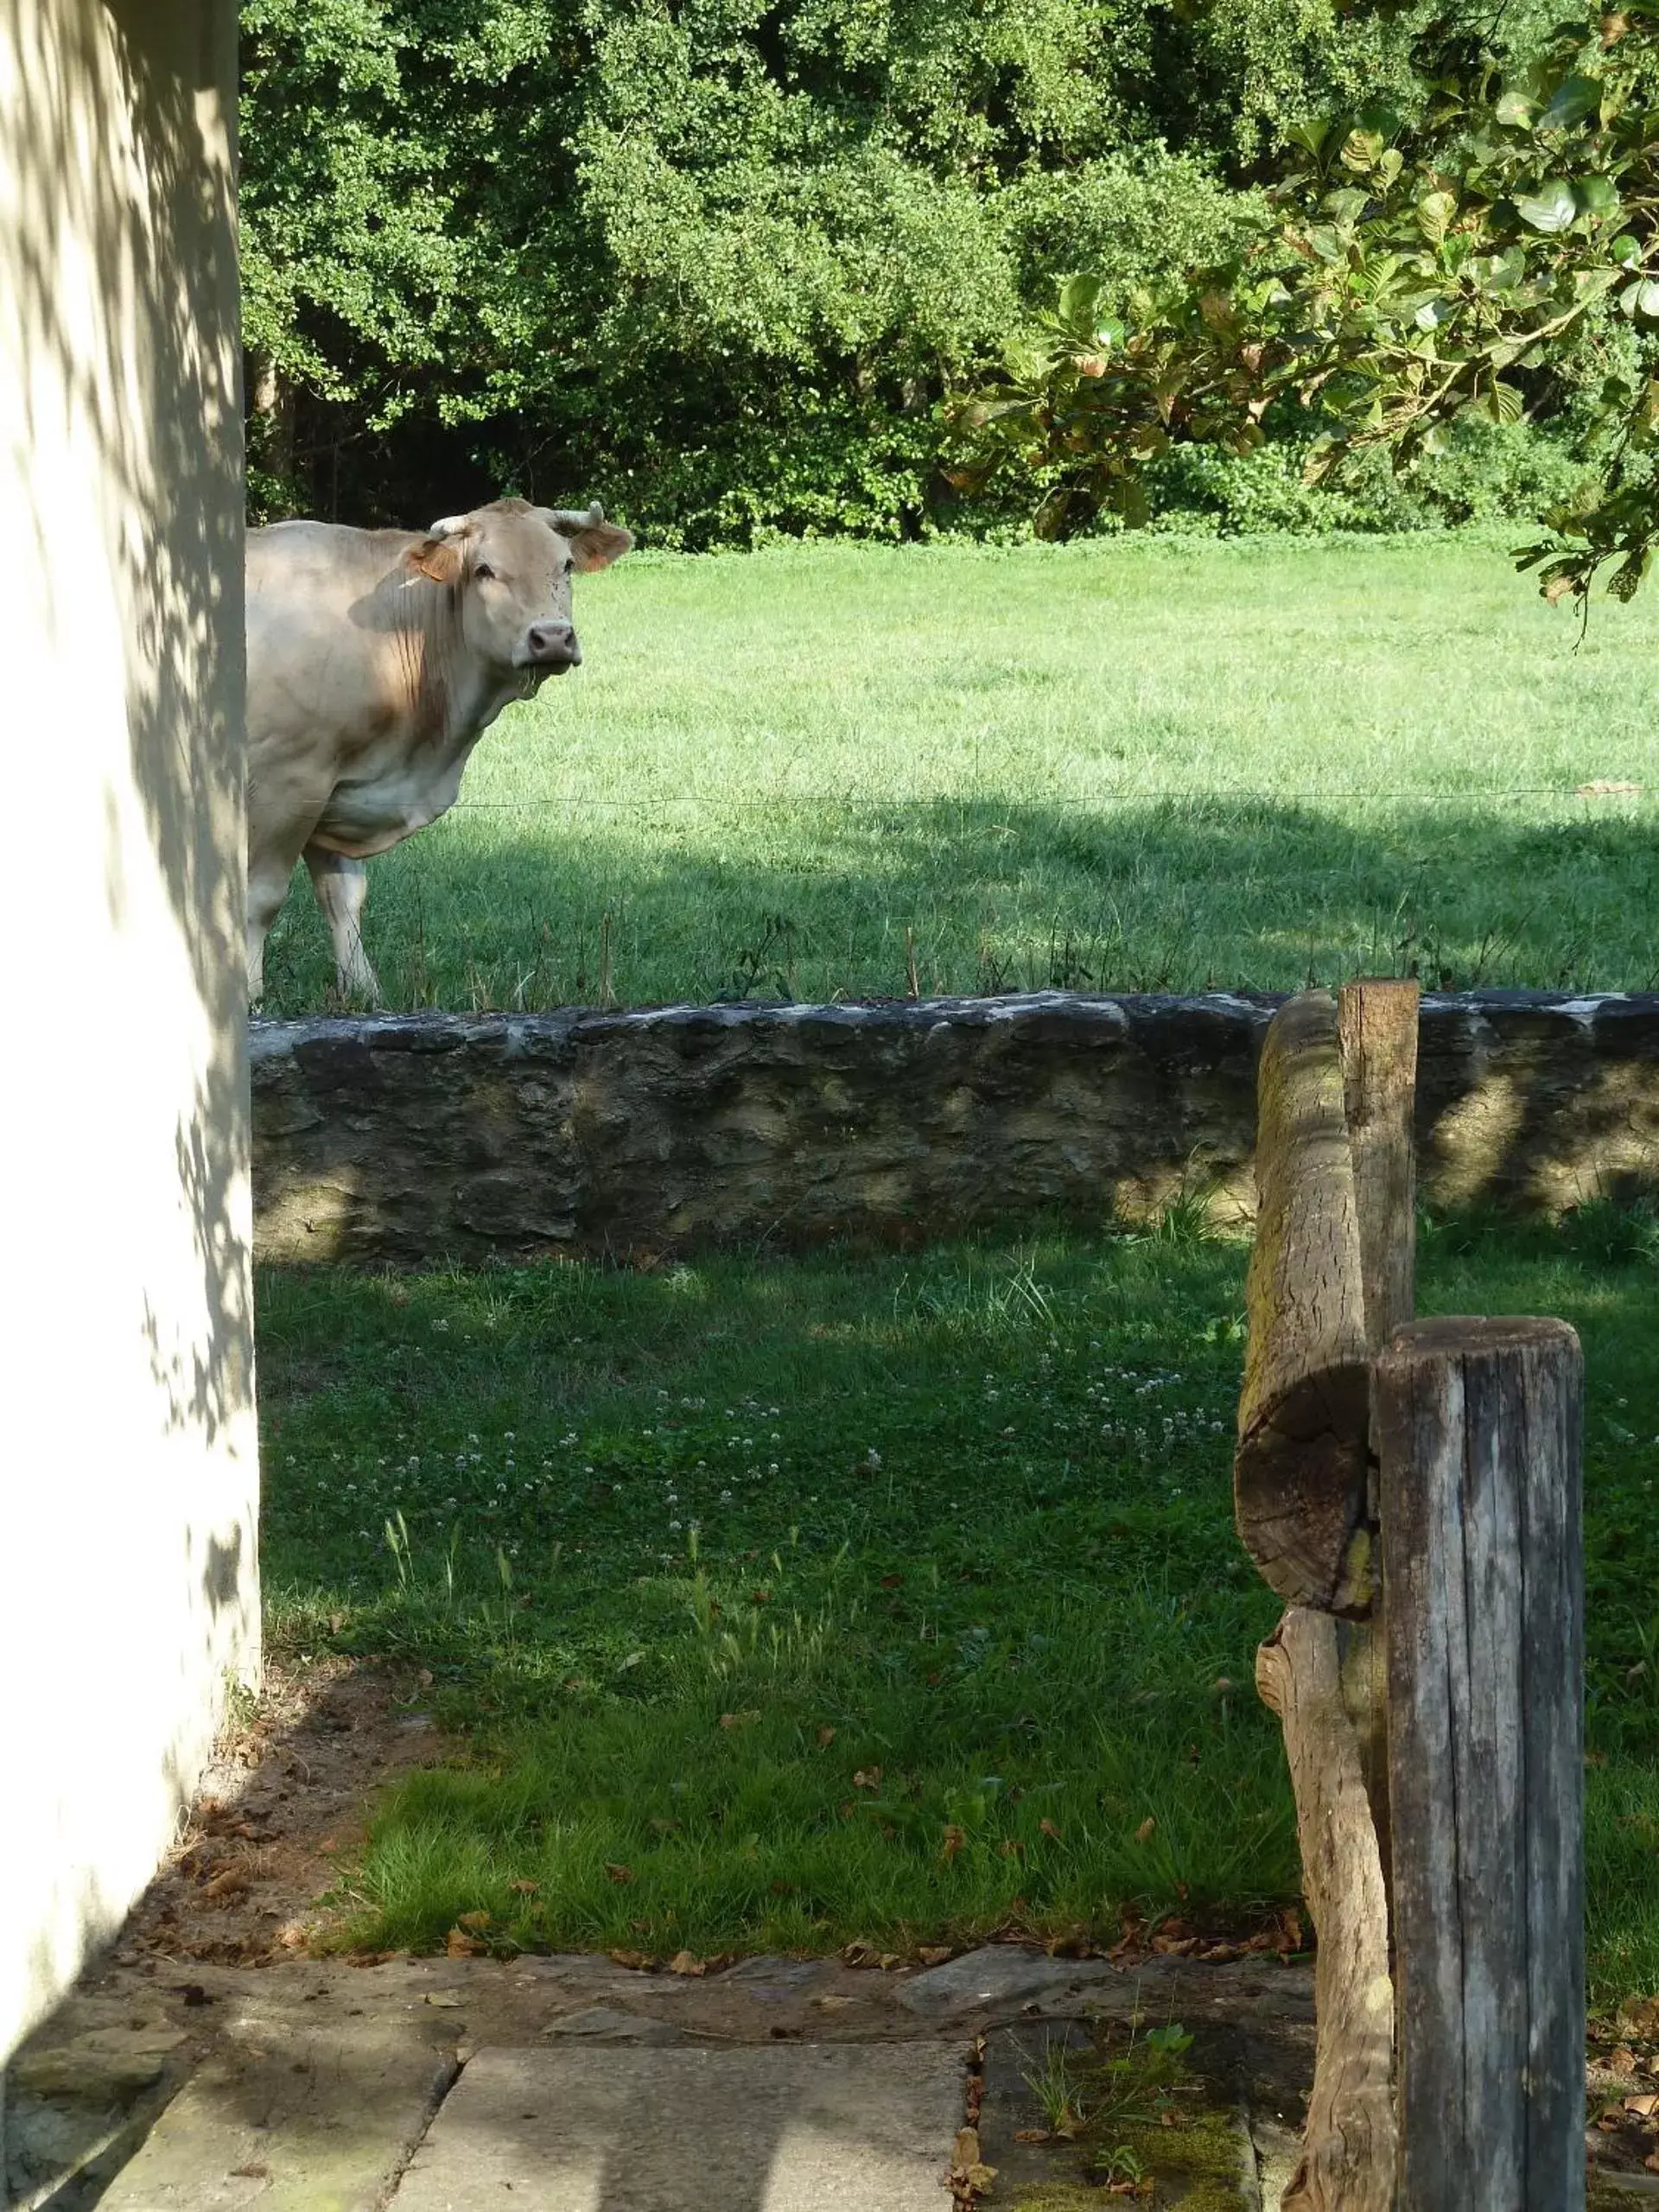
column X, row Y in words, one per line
column 570, row 564
column 484, row 573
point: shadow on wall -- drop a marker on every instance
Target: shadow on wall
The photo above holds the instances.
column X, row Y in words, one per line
column 124, row 429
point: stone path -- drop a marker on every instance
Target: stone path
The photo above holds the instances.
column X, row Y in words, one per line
column 864, row 2127
column 572, row 2084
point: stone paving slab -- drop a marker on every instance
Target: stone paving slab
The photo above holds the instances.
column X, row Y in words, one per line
column 800, row 2127
column 291, row 2121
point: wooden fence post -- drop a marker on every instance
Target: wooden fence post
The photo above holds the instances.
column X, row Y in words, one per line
column 1479, row 1428
column 1330, row 1278
column 1376, row 1024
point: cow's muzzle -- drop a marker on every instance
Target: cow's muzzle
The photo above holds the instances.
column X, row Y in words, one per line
column 550, row 645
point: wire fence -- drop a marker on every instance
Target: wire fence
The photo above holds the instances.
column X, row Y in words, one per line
column 1207, row 795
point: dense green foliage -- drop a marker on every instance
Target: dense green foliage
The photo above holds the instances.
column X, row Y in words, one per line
column 890, row 1601
column 719, row 261
column 1448, row 270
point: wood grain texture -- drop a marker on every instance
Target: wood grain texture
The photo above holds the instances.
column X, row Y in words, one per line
column 1479, row 1424
column 1300, row 1471
column 1377, row 1028
column 1348, row 2152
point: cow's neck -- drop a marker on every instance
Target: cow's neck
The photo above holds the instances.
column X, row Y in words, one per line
column 454, row 696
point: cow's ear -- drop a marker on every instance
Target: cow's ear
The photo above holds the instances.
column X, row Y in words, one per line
column 439, row 558
column 596, row 544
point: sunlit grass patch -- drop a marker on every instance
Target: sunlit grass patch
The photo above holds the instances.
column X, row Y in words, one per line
column 1129, row 765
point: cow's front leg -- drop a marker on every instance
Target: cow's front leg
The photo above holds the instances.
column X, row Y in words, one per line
column 341, row 887
column 268, row 881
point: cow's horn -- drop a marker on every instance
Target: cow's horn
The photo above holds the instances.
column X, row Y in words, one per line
column 451, row 527
column 574, row 517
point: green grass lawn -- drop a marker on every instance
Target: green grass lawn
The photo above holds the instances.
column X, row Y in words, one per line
column 794, row 1603
column 1132, row 764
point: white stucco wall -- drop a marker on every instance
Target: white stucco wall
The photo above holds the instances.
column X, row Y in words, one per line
column 128, row 1464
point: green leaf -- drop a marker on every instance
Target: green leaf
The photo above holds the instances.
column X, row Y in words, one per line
column 1434, row 215
column 1516, row 110
column 1596, row 196
column 1310, row 136
column 1079, row 298
column 1505, row 403
column 1553, row 207
column 1362, row 149
column 1573, row 99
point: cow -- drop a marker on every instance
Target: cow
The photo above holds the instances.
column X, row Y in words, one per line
column 376, row 659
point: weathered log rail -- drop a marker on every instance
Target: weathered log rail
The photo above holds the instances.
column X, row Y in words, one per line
column 1413, row 1490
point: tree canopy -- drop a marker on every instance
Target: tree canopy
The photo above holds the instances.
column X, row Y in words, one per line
column 1490, row 252
column 720, row 262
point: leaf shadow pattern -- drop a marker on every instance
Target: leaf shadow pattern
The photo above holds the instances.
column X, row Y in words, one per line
column 121, row 349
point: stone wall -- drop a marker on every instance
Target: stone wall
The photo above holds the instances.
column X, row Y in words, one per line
column 410, row 1139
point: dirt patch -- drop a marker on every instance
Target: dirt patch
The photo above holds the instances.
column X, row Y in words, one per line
column 286, row 1800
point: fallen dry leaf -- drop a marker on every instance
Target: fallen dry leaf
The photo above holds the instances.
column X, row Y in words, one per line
column 1144, row 1833
column 459, row 1945
column 687, row 1963
column 956, row 1840
column 445, row 1998
column 230, row 1884
column 474, row 1920
column 867, row 1778
column 967, row 2150
column 640, row 1961
column 1643, row 2107
column 934, row 1954
column 524, row 1889
column 1031, row 2135
column 619, row 1874
column 826, row 1736
column 1048, row 1829
column 424, row 1678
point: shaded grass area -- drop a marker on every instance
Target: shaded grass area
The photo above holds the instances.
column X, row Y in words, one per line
column 1131, row 765
column 791, row 1604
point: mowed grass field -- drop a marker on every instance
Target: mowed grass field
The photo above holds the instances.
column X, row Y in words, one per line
column 1148, row 763
column 795, row 1604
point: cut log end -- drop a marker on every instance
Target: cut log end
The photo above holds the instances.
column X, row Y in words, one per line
column 1300, row 1492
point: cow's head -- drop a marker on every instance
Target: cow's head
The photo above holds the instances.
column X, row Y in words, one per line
column 510, row 566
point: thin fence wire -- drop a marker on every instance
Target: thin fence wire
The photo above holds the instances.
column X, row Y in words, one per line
column 1209, row 796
